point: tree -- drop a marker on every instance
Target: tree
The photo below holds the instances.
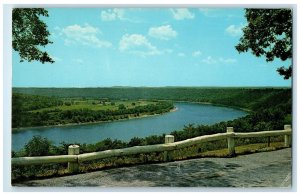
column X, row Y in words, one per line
column 269, row 33
column 29, row 33
column 38, row 146
column 121, row 107
column 136, row 141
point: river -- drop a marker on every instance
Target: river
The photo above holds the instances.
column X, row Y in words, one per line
column 186, row 113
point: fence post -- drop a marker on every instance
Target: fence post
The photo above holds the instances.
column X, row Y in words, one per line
column 168, row 155
column 73, row 167
column 287, row 138
column 230, row 142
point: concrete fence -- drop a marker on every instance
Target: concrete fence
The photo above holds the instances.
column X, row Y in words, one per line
column 74, row 158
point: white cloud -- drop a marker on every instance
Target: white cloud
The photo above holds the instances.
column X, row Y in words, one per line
column 119, row 14
column 112, row 14
column 182, row 13
column 137, row 44
column 227, row 60
column 162, row 32
column 234, row 30
column 211, row 60
column 209, row 12
column 196, row 53
column 181, row 54
column 85, row 35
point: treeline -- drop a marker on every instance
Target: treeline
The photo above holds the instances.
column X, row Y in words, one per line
column 238, row 97
column 23, row 103
column 23, row 118
column 39, row 146
column 269, row 112
column 27, row 102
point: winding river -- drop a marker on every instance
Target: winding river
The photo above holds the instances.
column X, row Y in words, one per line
column 186, row 113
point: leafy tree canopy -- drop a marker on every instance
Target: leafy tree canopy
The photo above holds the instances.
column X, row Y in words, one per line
column 29, row 33
column 37, row 146
column 269, row 34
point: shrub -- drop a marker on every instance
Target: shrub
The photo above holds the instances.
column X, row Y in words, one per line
column 122, row 107
column 67, row 103
column 38, row 146
column 136, row 141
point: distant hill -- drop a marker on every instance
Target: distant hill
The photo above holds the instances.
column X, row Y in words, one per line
column 250, row 98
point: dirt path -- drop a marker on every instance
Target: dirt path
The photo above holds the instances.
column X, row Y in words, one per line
column 266, row 169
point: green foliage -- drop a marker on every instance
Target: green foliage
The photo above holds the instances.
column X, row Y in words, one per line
column 239, row 97
column 22, row 104
column 154, row 139
column 102, row 145
column 269, row 34
column 288, row 119
column 38, row 146
column 29, row 33
column 136, row 141
column 121, row 107
column 23, row 116
column 67, row 103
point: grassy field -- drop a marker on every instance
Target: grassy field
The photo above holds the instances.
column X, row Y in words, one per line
column 93, row 104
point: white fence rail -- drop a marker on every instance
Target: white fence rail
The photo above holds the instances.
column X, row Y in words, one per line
column 74, row 158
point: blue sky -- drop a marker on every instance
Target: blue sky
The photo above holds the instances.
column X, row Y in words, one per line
column 95, row 47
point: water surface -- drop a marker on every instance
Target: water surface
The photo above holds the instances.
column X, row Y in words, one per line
column 186, row 113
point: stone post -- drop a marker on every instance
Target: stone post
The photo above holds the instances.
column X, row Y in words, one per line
column 73, row 167
column 168, row 155
column 287, row 138
column 230, row 142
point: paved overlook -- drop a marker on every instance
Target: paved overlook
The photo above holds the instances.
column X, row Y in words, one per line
column 266, row 169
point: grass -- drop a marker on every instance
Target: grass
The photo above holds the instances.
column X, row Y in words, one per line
column 93, row 104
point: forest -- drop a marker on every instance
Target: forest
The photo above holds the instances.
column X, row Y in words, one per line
column 36, row 110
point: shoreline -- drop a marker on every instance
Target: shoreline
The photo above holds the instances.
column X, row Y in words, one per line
column 215, row 104
column 90, row 123
column 130, row 118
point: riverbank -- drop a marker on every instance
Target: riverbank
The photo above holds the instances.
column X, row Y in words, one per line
column 149, row 130
column 90, row 123
column 131, row 117
column 215, row 104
